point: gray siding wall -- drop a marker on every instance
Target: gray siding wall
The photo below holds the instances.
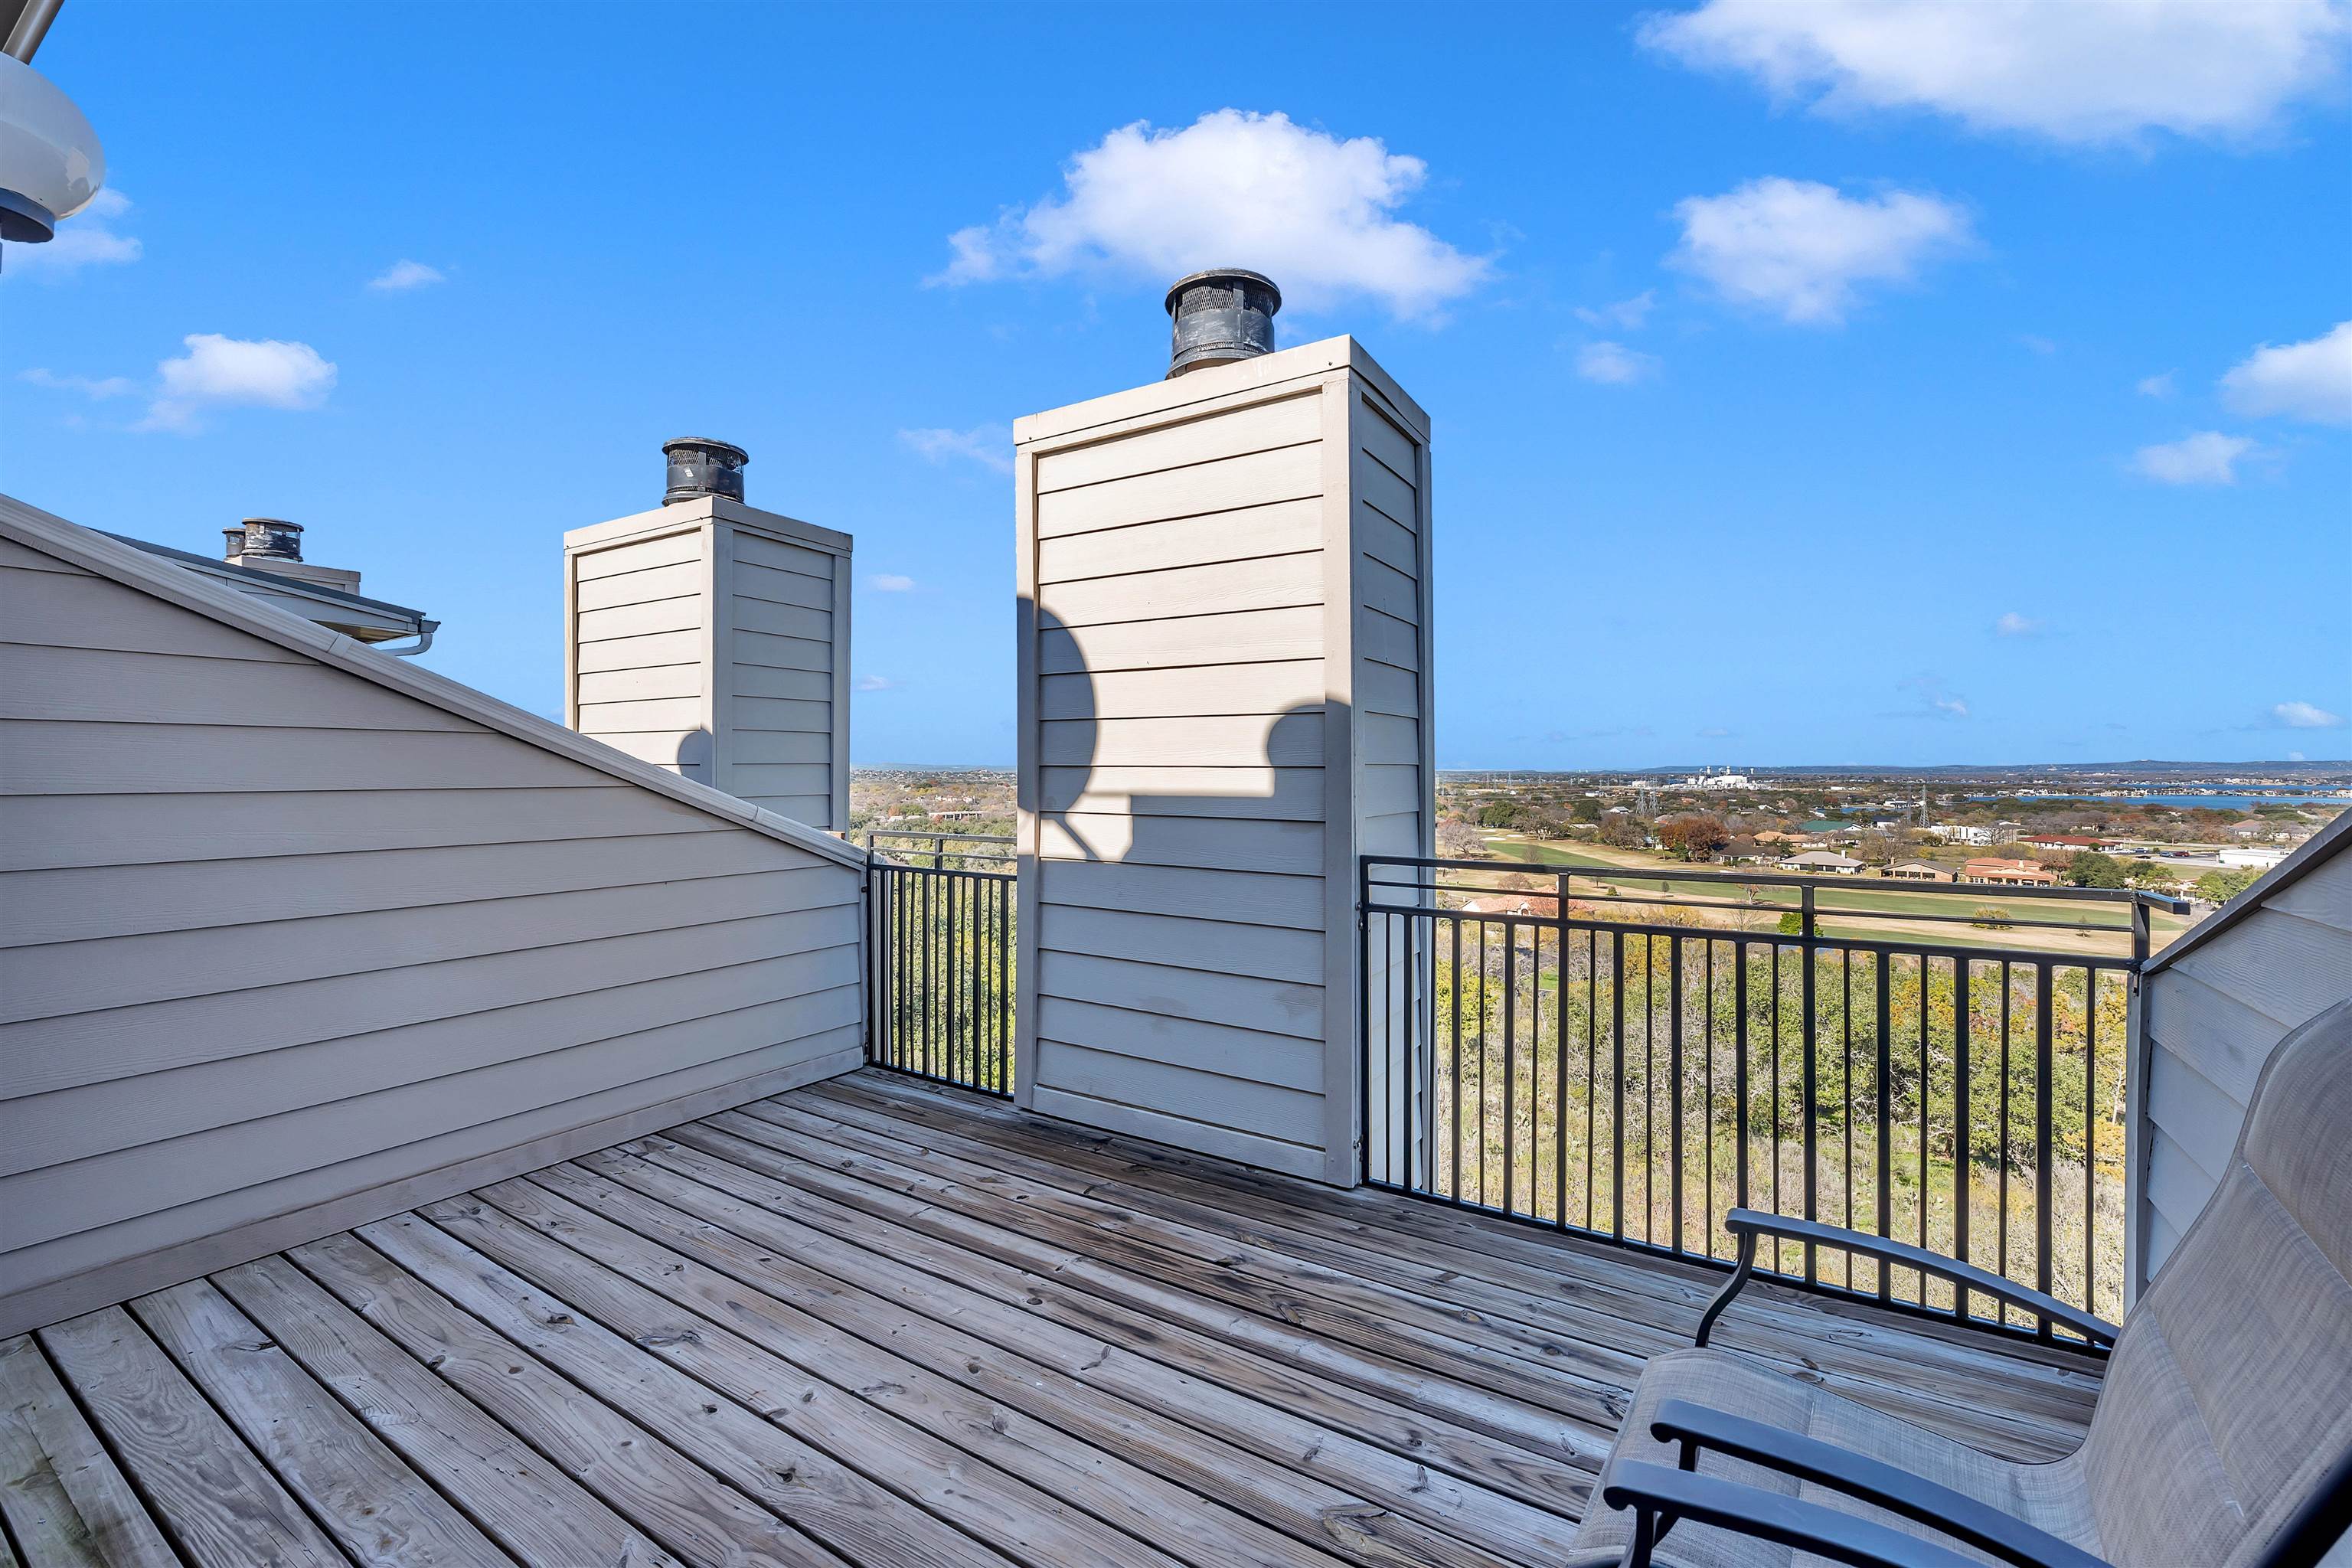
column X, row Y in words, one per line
column 712, row 638
column 282, row 949
column 640, row 638
column 786, row 661
column 2210, row 1020
column 1395, row 778
column 1196, row 576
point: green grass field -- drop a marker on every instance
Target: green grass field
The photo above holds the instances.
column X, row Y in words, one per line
column 2095, row 928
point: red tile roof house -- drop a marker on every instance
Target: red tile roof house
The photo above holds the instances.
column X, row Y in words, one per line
column 1999, row 872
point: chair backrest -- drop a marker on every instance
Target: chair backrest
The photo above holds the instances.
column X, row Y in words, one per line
column 2228, row 1397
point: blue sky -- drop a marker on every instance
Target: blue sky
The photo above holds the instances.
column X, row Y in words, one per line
column 1810, row 384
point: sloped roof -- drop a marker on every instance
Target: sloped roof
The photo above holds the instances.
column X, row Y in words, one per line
column 164, row 579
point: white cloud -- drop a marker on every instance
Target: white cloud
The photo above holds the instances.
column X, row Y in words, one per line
column 1935, row 701
column 988, row 445
column 877, row 683
column 2038, row 344
column 1315, row 213
column 2158, row 385
column 86, row 239
column 218, row 371
column 1613, row 364
column 2109, row 71
column 405, row 275
column 2305, row 716
column 2304, row 381
column 1801, row 250
column 890, row 583
column 93, row 387
column 1625, row 315
column 2013, row 625
column 2207, row 458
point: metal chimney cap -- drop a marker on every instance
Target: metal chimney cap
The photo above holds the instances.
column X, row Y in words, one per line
column 1221, row 314
column 273, row 538
column 699, row 465
column 1219, row 275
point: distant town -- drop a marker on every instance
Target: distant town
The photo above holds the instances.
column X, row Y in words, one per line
column 2202, row 832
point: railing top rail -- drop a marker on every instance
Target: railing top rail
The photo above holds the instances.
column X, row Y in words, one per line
column 2141, row 896
column 926, row 833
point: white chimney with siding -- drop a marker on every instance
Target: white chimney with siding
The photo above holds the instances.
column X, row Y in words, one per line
column 1225, row 685
column 712, row 638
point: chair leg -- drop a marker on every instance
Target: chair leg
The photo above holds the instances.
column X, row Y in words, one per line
column 1731, row 1288
column 1644, row 1542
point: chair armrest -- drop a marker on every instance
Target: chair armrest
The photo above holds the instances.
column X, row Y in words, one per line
column 1660, row 1497
column 1897, row 1490
column 1749, row 1224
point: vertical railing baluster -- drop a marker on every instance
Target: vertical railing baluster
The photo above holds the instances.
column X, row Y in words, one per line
column 1845, row 1103
column 1674, row 952
column 2008, row 981
column 1455, row 1082
column 1560, row 1052
column 1805, row 934
column 1739, row 1069
column 1510, row 1059
column 1592, row 1065
column 1617, row 1086
column 2043, row 1011
column 1706, row 944
column 1886, row 1127
column 1964, row 1164
column 2090, row 1135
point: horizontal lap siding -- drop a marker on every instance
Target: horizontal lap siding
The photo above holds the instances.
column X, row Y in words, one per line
column 1389, row 519
column 2212, row 1019
column 1180, row 576
column 280, row 944
column 779, row 686
column 640, row 623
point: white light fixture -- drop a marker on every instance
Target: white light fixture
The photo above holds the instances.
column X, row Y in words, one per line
column 50, row 161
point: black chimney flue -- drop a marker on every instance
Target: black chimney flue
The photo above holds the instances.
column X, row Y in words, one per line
column 272, row 538
column 700, row 467
column 1225, row 313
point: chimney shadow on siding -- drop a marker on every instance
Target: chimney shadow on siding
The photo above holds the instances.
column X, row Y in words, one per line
column 1163, row 830
column 694, row 758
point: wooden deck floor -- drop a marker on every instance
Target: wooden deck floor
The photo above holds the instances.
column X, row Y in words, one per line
column 872, row 1323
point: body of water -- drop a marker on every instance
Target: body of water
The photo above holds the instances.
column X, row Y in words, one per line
column 2210, row 802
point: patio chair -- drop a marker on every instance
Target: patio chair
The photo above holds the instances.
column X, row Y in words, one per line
column 2222, row 1437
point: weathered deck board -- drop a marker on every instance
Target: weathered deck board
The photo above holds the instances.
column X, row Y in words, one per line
column 378, row 1510
column 219, row 1502
column 1532, row 1308
column 875, row 1322
column 60, row 1494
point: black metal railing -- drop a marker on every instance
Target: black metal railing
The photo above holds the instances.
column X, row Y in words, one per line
column 1628, row 1054
column 941, row 909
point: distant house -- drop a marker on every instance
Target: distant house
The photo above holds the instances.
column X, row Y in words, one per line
column 2000, row 873
column 2062, row 841
column 1918, row 871
column 2259, row 856
column 1963, row 832
column 1823, row 861
column 1538, row 906
column 1774, row 835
